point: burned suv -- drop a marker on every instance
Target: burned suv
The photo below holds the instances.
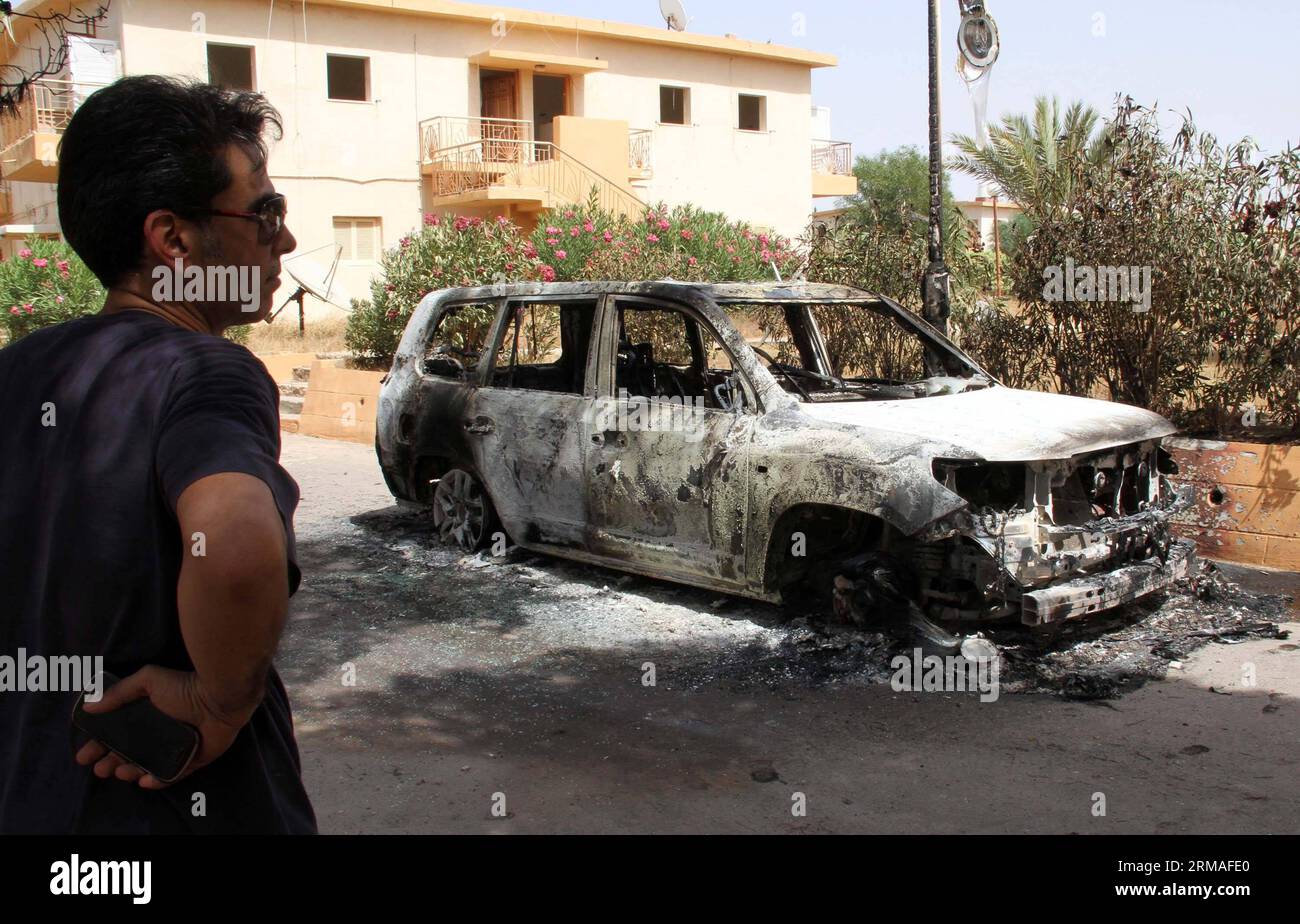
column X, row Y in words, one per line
column 778, row 441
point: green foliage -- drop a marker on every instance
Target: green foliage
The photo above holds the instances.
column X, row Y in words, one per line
column 46, row 283
column 1035, row 161
column 891, row 263
column 1218, row 230
column 894, row 189
column 1012, row 234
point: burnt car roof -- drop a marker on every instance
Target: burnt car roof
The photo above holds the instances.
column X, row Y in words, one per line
column 718, row 291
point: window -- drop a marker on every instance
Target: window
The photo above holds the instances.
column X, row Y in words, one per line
column 458, row 341
column 543, row 346
column 358, row 238
column 665, row 353
column 674, row 105
column 348, row 77
column 230, row 66
column 753, row 113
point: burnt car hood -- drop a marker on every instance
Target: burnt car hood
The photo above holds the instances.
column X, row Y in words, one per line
column 1004, row 424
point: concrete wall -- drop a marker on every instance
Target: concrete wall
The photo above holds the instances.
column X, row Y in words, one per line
column 341, row 403
column 1247, row 506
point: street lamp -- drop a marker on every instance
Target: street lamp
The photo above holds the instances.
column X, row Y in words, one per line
column 977, row 40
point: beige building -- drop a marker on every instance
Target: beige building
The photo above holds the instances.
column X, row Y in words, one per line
column 393, row 108
column 987, row 213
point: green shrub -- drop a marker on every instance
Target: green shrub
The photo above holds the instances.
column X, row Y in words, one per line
column 889, row 260
column 1219, row 234
column 46, row 283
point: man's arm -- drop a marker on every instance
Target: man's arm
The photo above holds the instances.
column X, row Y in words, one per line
column 233, row 600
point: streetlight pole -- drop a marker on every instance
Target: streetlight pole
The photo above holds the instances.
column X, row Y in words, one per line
column 934, row 285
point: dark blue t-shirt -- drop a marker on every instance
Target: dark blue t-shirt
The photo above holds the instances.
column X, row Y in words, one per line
column 107, row 420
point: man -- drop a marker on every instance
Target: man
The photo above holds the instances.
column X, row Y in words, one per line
column 144, row 516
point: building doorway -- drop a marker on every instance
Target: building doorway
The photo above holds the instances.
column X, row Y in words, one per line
column 550, row 99
column 499, row 100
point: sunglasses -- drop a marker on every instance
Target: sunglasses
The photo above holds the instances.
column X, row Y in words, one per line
column 270, row 217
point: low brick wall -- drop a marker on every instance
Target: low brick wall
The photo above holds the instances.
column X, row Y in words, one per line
column 1247, row 501
column 341, row 404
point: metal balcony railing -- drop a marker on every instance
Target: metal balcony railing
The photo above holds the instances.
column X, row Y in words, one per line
column 47, row 107
column 832, row 157
column 506, row 141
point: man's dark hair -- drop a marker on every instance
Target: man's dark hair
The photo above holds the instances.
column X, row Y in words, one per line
column 147, row 143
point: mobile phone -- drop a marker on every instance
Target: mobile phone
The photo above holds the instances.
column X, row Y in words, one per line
column 140, row 733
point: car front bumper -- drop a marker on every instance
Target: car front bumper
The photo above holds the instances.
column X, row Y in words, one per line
column 1094, row 592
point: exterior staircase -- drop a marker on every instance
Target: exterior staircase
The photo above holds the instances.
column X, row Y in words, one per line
column 292, row 395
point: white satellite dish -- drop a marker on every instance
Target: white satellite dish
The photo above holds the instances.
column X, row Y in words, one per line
column 314, row 280
column 320, row 282
column 674, row 14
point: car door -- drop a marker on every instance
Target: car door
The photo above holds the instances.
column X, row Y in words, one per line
column 667, row 466
column 527, row 425
column 430, row 438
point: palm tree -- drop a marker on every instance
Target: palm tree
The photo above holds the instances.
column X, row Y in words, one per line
column 1034, row 161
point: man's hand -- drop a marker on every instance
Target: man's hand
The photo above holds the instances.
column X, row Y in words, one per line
column 179, row 695
column 233, row 598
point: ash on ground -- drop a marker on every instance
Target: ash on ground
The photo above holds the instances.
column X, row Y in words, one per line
column 543, row 613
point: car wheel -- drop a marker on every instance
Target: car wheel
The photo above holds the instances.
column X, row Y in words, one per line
column 462, row 512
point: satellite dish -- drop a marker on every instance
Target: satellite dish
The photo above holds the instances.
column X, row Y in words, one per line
column 313, row 280
column 674, row 14
column 318, row 281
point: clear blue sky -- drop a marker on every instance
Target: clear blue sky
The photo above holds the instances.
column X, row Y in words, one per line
column 1234, row 64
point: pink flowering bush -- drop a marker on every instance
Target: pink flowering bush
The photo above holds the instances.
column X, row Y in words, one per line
column 447, row 251
column 568, row 244
column 43, row 284
column 690, row 244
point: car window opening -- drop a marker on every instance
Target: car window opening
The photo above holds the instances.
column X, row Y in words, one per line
column 666, row 354
column 851, row 351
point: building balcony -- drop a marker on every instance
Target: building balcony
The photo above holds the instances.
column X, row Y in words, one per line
column 474, row 145
column 29, row 136
column 832, row 169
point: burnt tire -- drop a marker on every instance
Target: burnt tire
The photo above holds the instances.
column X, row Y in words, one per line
column 462, row 512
